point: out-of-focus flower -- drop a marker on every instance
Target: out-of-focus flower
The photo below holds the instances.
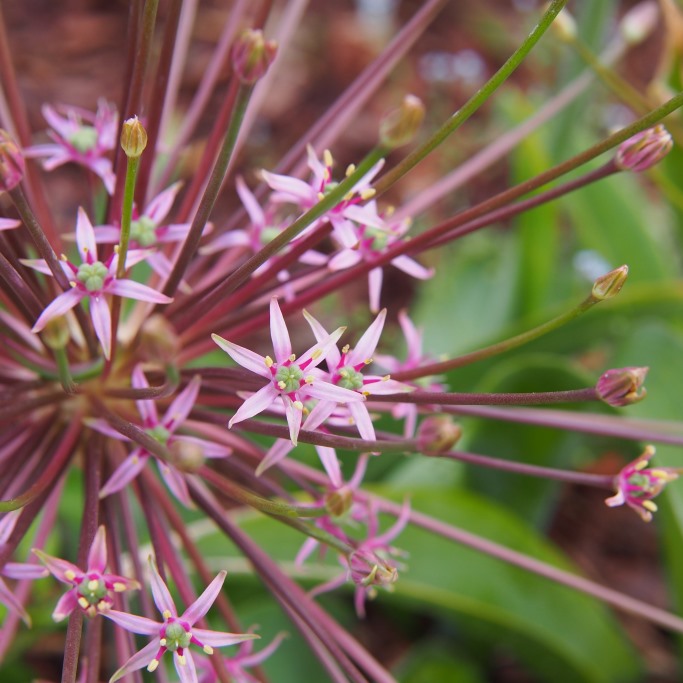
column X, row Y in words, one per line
column 252, row 55
column 622, row 386
column 637, row 484
column 437, row 434
column 644, row 149
column 80, row 137
column 162, row 430
column 292, row 380
column 400, row 126
column 92, row 589
column 92, row 279
column 15, row 570
column 175, row 633
column 12, row 165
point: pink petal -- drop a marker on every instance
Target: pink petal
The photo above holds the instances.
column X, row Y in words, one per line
column 210, row 449
column 365, row 215
column 9, row 223
column 361, row 417
column 385, row 386
column 135, row 290
column 186, row 670
column 10, row 601
column 250, row 204
column 255, row 404
column 125, row 472
column 368, row 342
column 97, row 557
column 59, row 123
column 203, row 603
column 135, row 624
column 85, row 237
column 413, row 268
column 63, row 303
column 329, row 460
column 160, row 593
column 375, row 277
column 332, row 354
column 282, row 346
column 176, row 483
column 412, row 335
column 7, row 524
column 21, row 571
column 146, row 407
column 65, row 605
column 58, row 567
column 244, row 357
column 344, row 259
column 182, row 405
column 138, row 660
column 295, row 190
column 101, row 320
column 159, row 207
column 277, row 452
column 218, row 639
column 107, row 234
column 332, row 392
column 321, row 411
column 294, row 416
column 321, row 350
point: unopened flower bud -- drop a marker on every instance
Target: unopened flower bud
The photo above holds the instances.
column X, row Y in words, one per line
column 56, row 334
column 158, row 340
column 369, row 569
column 399, row 126
column 639, row 22
column 609, row 285
column 622, row 386
column 644, row 149
column 252, row 55
column 186, row 456
column 12, row 164
column 133, row 138
column 339, row 501
column 437, row 434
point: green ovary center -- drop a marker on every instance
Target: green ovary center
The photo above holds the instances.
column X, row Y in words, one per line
column 176, row 637
column 379, row 239
column 84, row 139
column 143, row 231
column 350, row 379
column 93, row 590
column 159, row 433
column 288, row 378
column 92, row 275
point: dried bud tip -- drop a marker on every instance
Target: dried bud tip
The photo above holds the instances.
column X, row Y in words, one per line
column 609, row 285
column 12, row 164
column 644, row 149
column 186, row 456
column 56, row 334
column 564, row 26
column 622, row 386
column 639, row 22
column 339, row 501
column 399, row 126
column 252, row 55
column 438, row 434
column 133, row 138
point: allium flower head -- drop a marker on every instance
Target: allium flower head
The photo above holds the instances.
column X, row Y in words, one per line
column 291, row 379
column 92, row 589
column 91, row 280
column 637, row 484
column 80, row 137
column 175, row 633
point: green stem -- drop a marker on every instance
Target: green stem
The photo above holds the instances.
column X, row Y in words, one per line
column 208, row 199
column 500, row 347
column 132, row 165
column 64, row 371
column 476, row 101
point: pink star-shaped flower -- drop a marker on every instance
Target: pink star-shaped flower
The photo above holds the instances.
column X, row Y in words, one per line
column 175, row 633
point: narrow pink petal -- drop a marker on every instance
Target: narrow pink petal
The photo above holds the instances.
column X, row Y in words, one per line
column 176, row 483
column 234, row 238
column 22, row 570
column 344, row 259
column 210, row 449
column 413, row 268
column 359, row 472
column 182, row 405
column 63, row 303
column 138, row 660
column 375, row 277
column 395, row 529
column 135, row 290
column 146, row 407
column 297, row 190
column 85, row 236
column 345, row 232
column 203, row 603
column 160, row 593
column 321, row 411
column 9, row 223
column 282, row 346
column 59, row 123
column 321, row 335
column 174, row 232
column 125, row 472
column 107, row 234
column 7, row 524
column 365, row 215
column 329, row 460
column 361, row 417
column 385, row 386
column 294, row 416
column 10, row 601
column 244, row 357
column 159, row 207
column 39, row 264
column 58, row 567
column 97, row 557
column 307, row 548
column 185, row 668
column 218, row 639
column 412, row 335
column 103, row 168
column 262, row 655
column 276, row 452
column 250, row 204
column 367, row 344
column 255, row 404
column 319, row 169
column 65, row 605
column 332, row 392
column 316, row 354
column 101, row 320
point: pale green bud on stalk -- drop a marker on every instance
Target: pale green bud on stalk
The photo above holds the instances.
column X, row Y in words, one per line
column 639, row 22
column 252, row 55
column 609, row 285
column 12, row 165
column 133, row 138
column 438, row 434
column 399, row 127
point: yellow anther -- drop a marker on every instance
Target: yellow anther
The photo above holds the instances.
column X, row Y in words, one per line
column 292, row 358
column 181, row 660
column 389, row 211
column 309, row 379
column 153, row 665
column 269, row 362
column 162, row 642
column 119, row 587
column 368, row 193
column 386, row 378
column 649, row 505
column 345, row 348
column 367, row 361
column 321, row 196
column 298, row 405
column 93, row 584
column 166, row 614
column 327, row 158
column 208, row 649
column 63, row 257
column 69, row 575
column 350, row 169
column 103, row 606
column 282, row 385
column 83, row 602
column 316, row 354
column 641, row 465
